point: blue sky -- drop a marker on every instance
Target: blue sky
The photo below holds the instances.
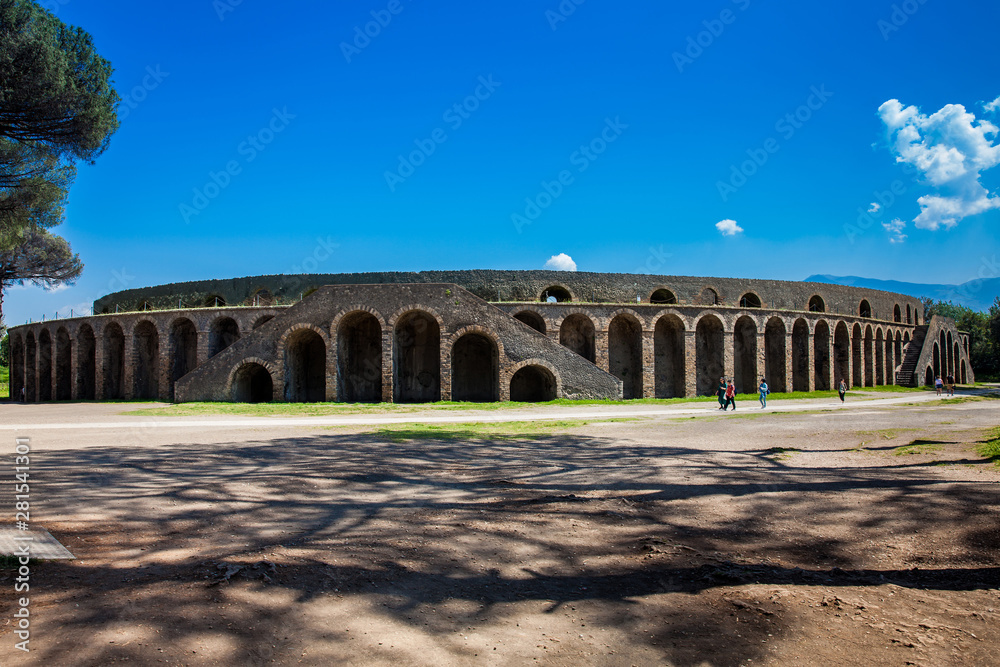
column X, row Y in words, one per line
column 597, row 97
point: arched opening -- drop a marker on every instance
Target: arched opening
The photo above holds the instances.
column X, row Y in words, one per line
column 857, row 341
column 113, row 364
column 625, row 354
column 800, row 356
column 668, row 351
column 929, row 377
column 708, row 297
column 44, row 365
column 86, row 363
column 577, row 334
column 555, row 294
column 816, row 304
column 662, row 297
column 262, row 321
column 305, row 367
column 64, row 365
column 749, row 300
column 213, row 301
column 951, row 356
column 821, row 355
column 745, row 355
column 897, row 316
column 261, row 297
column 898, row 356
column 146, row 359
column 183, row 351
column 906, row 338
column 879, row 359
column 916, row 318
column 865, row 309
column 956, row 355
column 533, row 384
column 253, row 384
column 475, row 369
column 30, row 369
column 890, row 363
column 937, row 360
column 908, row 315
column 709, row 353
column 774, row 355
column 224, row 332
column 841, row 355
column 16, row 367
column 963, row 377
column 417, row 359
column 869, row 360
column 359, row 359
column 532, row 319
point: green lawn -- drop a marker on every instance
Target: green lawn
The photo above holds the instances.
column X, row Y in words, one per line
column 4, row 382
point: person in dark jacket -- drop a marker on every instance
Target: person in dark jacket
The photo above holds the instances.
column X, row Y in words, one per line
column 722, row 393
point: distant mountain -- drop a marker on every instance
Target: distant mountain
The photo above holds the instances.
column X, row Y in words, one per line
column 975, row 294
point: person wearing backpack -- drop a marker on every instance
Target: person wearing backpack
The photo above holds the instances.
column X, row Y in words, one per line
column 764, row 391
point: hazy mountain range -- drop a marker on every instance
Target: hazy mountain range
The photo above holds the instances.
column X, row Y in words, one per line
column 975, row 294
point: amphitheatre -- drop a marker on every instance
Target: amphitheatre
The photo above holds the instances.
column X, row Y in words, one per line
column 480, row 336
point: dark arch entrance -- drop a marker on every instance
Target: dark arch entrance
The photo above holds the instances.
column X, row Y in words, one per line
column 897, row 315
column 937, row 360
column 929, row 377
column 865, row 308
column 858, row 375
column 869, row 363
column 556, row 292
column 253, row 384
column 745, row 355
column 146, row 347
column 16, row 367
column 417, row 359
column 964, row 377
column 30, row 372
column 475, row 369
column 305, row 367
column 668, row 350
column 821, row 355
column 709, row 352
column 879, row 358
column 532, row 319
column 577, row 334
column 774, row 355
column 113, row 365
column 750, row 300
column 816, row 304
column 800, row 356
column 359, row 359
column 533, row 384
column 86, row 363
column 841, row 355
column 183, row 351
column 224, row 332
column 625, row 354
column 45, row 366
column 64, row 365
column 662, row 297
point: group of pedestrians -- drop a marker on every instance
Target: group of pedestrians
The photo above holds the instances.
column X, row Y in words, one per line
column 727, row 393
column 939, row 386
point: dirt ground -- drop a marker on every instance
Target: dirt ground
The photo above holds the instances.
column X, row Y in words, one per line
column 713, row 539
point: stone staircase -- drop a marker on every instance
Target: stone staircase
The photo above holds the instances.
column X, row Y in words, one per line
column 905, row 376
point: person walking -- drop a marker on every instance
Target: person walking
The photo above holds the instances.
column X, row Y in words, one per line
column 842, row 389
column 950, row 382
column 764, row 391
column 938, row 385
column 731, row 395
column 721, row 391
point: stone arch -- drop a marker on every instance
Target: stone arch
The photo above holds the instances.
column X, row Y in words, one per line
column 774, row 355
column 183, row 346
column 145, row 361
column 560, row 293
column 816, row 304
column 745, row 355
column 937, row 360
column 841, row 354
column 113, row 365
column 668, row 353
column 261, row 297
column 956, row 355
column 951, row 356
column 929, row 377
column 533, row 319
column 963, row 378
column 908, row 314
column 868, row 356
column 534, row 382
column 64, row 365
column 44, row 365
column 709, row 354
column 906, row 338
column 223, row 332
column 16, row 366
column 252, row 381
column 750, row 300
column 304, row 348
column 625, row 353
column 663, row 297
column 890, row 365
column 30, row 367
column 577, row 333
column 800, row 355
column 359, row 357
column 261, row 321
column 475, row 368
column 821, row 356
column 897, row 315
column 898, row 353
column 879, row 358
column 86, row 363
column 213, row 301
column 865, row 308
column 709, row 296
column 417, row 358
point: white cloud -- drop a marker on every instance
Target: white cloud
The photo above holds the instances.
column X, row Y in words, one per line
column 728, row 227
column 990, row 107
column 950, row 148
column 875, row 207
column 561, row 262
column 895, row 229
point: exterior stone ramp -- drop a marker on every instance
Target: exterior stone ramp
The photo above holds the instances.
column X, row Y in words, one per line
column 396, row 343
